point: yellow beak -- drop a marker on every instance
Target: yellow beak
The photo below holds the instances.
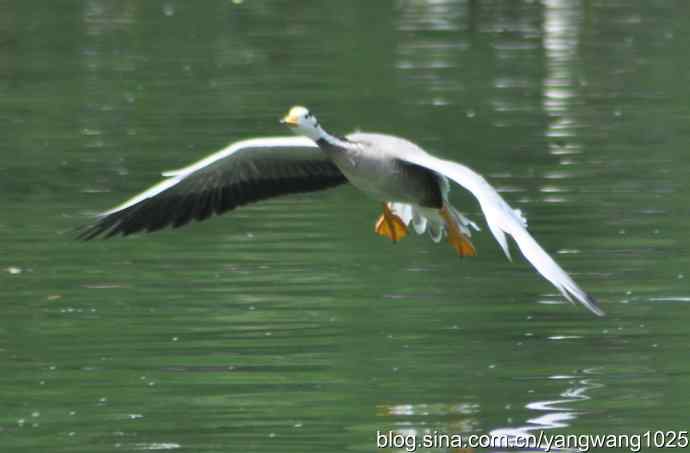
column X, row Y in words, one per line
column 290, row 120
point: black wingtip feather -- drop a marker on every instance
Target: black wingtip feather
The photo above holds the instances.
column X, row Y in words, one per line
column 593, row 305
column 174, row 210
column 588, row 301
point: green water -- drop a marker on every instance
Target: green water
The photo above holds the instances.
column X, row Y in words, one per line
column 288, row 326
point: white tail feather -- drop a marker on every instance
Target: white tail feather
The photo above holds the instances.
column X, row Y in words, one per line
column 419, row 222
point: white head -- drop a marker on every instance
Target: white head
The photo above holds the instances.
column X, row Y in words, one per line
column 302, row 122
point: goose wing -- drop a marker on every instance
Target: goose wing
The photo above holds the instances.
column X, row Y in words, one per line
column 242, row 173
column 501, row 219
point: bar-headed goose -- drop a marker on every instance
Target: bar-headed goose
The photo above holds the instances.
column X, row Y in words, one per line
column 411, row 183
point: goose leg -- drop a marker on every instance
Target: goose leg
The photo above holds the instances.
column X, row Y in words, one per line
column 390, row 225
column 457, row 239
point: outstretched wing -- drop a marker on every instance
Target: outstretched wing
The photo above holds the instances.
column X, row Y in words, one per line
column 242, row 173
column 502, row 219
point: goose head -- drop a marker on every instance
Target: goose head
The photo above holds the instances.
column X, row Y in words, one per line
column 302, row 122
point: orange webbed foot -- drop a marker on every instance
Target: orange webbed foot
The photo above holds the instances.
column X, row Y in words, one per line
column 456, row 238
column 390, row 225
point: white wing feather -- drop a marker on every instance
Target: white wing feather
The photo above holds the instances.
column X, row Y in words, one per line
column 502, row 219
column 175, row 176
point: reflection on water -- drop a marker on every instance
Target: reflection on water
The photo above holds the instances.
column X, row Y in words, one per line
column 562, row 23
column 431, row 15
column 553, row 415
column 556, row 414
column 288, row 326
column 422, row 58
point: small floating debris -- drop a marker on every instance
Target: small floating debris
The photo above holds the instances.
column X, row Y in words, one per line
column 169, row 10
column 103, row 286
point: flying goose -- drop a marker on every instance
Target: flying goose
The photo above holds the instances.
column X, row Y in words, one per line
column 411, row 183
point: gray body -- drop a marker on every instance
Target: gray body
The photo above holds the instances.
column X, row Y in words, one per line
column 371, row 162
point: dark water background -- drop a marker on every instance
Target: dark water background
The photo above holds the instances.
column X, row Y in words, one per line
column 289, row 326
